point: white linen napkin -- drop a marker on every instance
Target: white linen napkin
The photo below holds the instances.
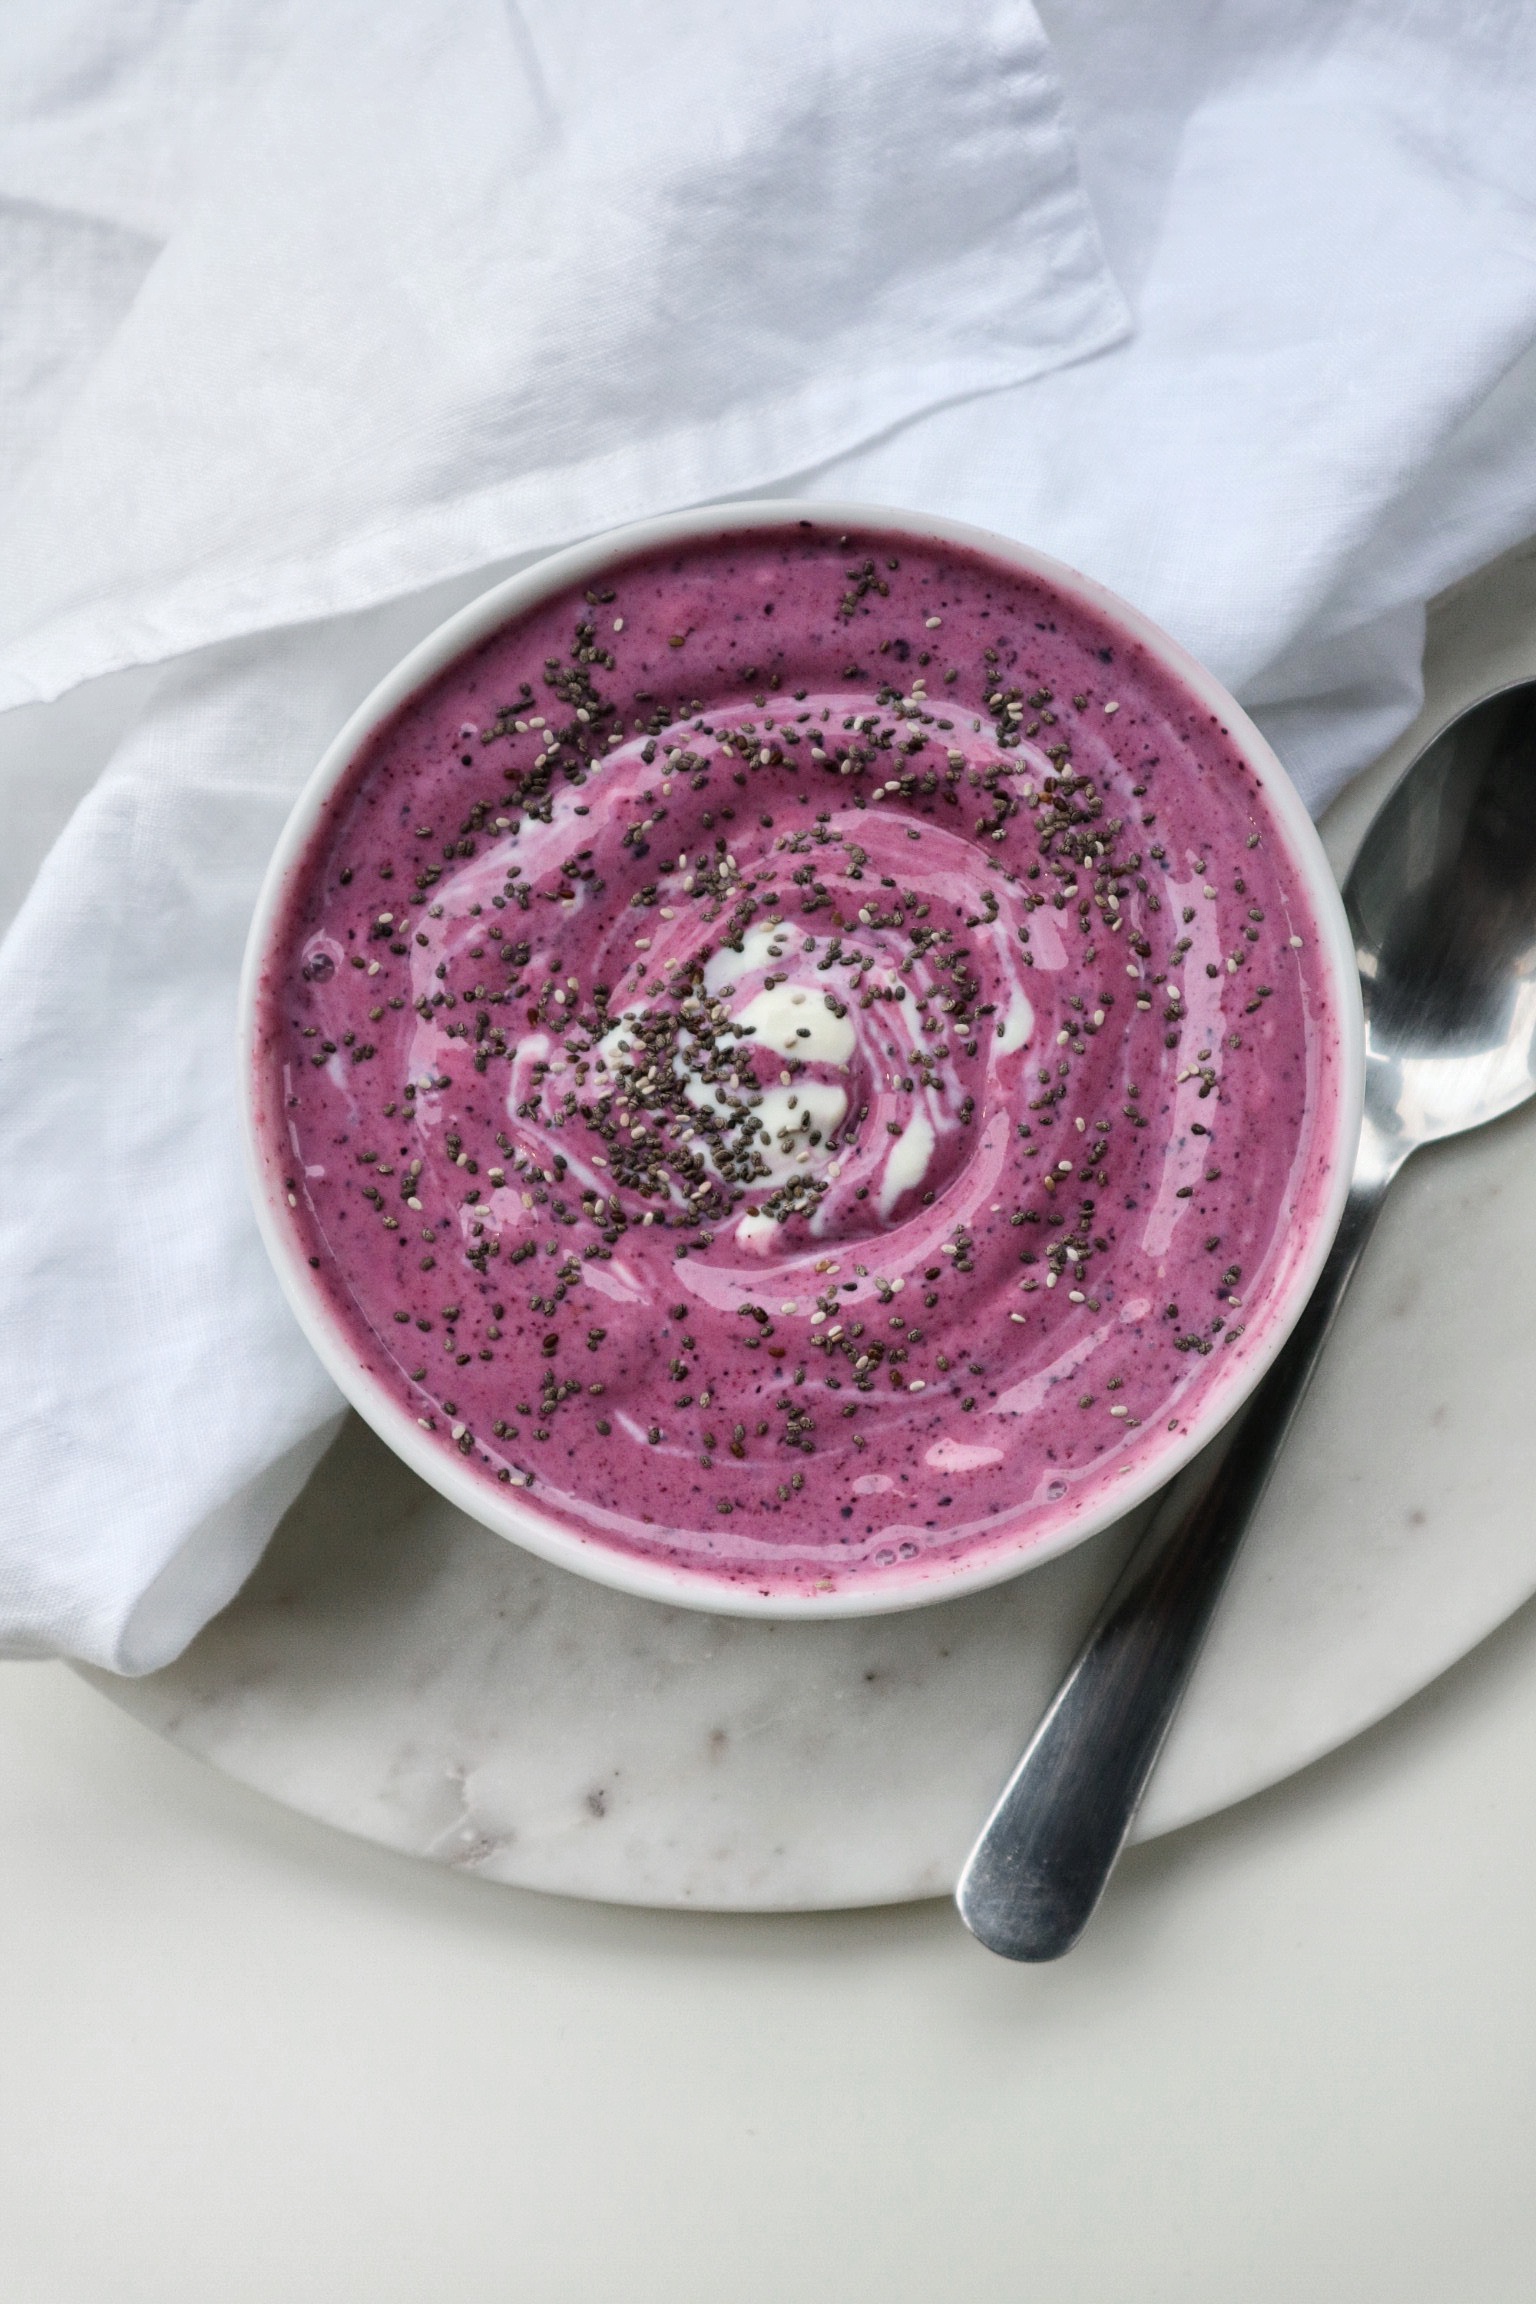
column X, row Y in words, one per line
column 386, row 305
column 468, row 277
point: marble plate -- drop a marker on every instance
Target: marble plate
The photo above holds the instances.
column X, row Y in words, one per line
column 394, row 1669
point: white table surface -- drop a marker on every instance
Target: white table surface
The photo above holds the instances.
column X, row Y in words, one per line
column 245, row 2058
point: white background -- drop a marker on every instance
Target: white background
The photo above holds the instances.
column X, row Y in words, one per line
column 247, row 2059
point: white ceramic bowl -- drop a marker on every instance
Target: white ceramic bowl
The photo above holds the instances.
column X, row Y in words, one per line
column 509, row 1513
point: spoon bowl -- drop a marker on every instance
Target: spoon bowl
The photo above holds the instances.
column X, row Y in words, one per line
column 1442, row 904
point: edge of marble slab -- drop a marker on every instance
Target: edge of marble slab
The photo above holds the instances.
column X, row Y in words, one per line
column 926, row 1884
column 548, row 1733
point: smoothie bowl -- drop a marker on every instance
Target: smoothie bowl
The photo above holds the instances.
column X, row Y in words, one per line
column 799, row 1059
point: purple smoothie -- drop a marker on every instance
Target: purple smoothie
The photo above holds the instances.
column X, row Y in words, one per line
column 808, row 1056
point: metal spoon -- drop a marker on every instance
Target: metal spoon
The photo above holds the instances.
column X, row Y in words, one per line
column 1442, row 902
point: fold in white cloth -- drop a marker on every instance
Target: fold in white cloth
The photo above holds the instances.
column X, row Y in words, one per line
column 304, row 310
column 476, row 277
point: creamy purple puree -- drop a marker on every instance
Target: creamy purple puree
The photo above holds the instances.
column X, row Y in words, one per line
column 807, row 1054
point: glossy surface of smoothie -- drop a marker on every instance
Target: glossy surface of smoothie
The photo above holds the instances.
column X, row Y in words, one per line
column 809, row 1057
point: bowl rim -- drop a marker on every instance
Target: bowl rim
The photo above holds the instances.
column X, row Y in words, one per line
column 511, row 1517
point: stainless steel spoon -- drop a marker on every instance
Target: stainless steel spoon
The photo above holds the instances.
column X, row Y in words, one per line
column 1442, row 902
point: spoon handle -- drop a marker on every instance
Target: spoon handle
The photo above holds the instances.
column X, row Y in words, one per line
column 1047, row 1850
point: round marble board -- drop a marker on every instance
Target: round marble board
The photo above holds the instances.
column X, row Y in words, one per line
column 394, row 1669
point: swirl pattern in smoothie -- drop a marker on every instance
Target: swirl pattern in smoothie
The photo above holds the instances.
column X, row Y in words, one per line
column 808, row 1057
